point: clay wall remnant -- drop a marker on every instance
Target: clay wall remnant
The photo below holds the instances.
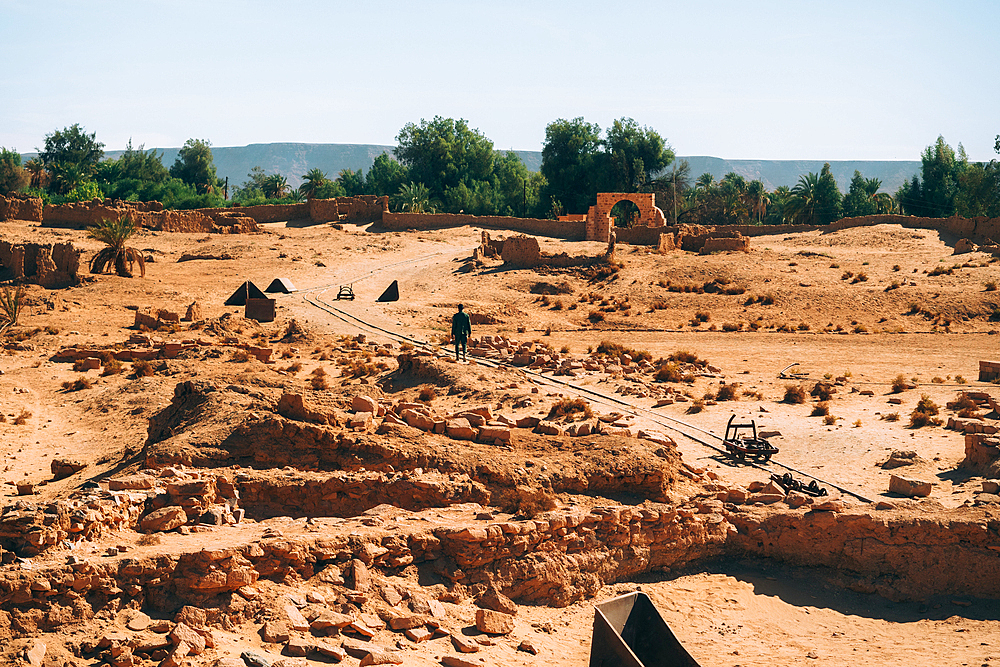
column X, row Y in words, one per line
column 20, row 207
column 51, row 265
column 572, row 231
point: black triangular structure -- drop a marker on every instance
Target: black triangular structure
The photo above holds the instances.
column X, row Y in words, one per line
column 246, row 291
column 283, row 285
column 391, row 293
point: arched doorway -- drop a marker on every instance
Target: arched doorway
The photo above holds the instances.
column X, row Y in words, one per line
column 625, row 214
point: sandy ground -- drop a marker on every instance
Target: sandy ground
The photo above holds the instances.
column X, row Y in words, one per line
column 733, row 614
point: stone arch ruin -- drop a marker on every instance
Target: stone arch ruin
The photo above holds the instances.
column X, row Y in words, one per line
column 599, row 216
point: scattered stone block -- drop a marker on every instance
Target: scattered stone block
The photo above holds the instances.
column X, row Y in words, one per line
column 164, row 519
column 991, row 486
column 497, row 601
column 299, row 646
column 456, row 661
column 63, row 468
column 296, row 621
column 275, row 632
column 418, row 635
column 494, row 622
column 900, row 458
column 527, row 647
column 906, row 486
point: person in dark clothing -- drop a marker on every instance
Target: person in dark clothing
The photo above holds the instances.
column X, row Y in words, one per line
column 461, row 329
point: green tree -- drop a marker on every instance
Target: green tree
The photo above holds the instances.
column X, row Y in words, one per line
column 757, row 200
column 634, row 155
column 385, row 176
column 36, row 170
column 444, row 153
column 71, row 157
column 863, row 197
column 13, row 177
column 829, row 206
column 353, row 182
column 275, row 186
column 801, row 206
column 940, row 172
column 571, row 161
column 312, row 181
column 195, row 166
column 705, row 181
column 979, row 190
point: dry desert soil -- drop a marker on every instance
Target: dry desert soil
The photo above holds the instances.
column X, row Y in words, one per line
column 332, row 500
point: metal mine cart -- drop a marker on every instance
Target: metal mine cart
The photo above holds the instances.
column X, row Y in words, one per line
column 742, row 441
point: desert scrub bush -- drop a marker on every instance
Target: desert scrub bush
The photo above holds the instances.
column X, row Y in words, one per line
column 847, row 275
column 240, row 356
column 558, row 305
column 617, row 350
column 752, row 393
column 990, row 286
column 702, row 316
column 570, row 408
column 318, row 379
column 357, row 368
column 860, row 329
column 697, row 405
column 544, row 300
column 802, row 326
column 564, row 349
column 899, row 384
column 293, row 367
column 80, row 366
column 924, row 413
column 728, row 392
column 895, row 267
column 937, row 379
column 857, row 423
column 659, row 304
column 671, row 372
column 891, row 417
column 543, row 287
column 893, row 285
column 794, row 394
column 685, row 357
column 941, row 271
column 822, row 391
column 596, row 316
column 22, row 418
column 829, row 420
column 732, row 326
column 820, row 409
column 79, row 384
column 427, row 394
column 405, row 347
column 860, row 278
column 51, row 330
column 963, row 402
column 112, row 367
column 960, row 380
column 142, row 368
column 784, row 327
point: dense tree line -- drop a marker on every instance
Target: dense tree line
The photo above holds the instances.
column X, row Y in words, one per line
column 445, row 165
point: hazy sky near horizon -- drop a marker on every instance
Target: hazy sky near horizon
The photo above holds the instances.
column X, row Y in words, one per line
column 770, row 79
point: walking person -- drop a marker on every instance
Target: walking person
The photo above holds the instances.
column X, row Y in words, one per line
column 461, row 329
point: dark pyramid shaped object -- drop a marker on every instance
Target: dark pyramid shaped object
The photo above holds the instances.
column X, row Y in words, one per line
column 391, row 293
column 283, row 285
column 245, row 291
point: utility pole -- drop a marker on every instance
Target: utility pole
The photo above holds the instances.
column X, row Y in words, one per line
column 673, row 182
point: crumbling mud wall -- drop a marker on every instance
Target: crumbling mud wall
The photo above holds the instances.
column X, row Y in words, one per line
column 899, row 556
column 51, row 265
column 19, row 207
column 234, row 220
column 573, row 231
column 524, row 252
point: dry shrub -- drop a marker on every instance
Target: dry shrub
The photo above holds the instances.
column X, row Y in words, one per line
column 702, row 316
column 427, row 394
column 829, row 420
column 937, row 379
column 923, row 414
column 112, row 367
column 79, row 384
column 696, row 406
column 318, row 379
column 671, row 372
column 728, row 392
column 728, row 326
column 891, row 417
column 751, row 393
column 794, row 394
column 80, row 366
column 960, row 380
column 293, row 367
column 617, row 350
column 822, row 391
column 22, row 418
column 240, row 356
column 963, row 402
column 685, row 357
column 821, row 409
column 543, row 287
column 596, row 316
column 526, row 501
column 899, row 384
column 860, row 278
column 570, row 407
column 142, row 368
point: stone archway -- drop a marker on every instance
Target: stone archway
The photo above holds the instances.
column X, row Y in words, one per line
column 599, row 216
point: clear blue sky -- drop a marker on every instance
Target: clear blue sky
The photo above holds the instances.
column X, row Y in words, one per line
column 804, row 79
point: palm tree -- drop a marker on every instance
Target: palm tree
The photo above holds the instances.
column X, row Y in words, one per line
column 274, row 186
column 11, row 300
column 757, row 199
column 704, row 181
column 802, row 206
column 115, row 233
column 313, row 180
column 39, row 177
column 882, row 200
column 415, row 198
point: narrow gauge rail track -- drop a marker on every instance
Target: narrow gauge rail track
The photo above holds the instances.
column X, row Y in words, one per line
column 689, row 431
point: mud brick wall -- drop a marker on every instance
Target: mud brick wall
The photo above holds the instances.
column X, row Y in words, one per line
column 46, row 264
column 599, row 216
column 989, row 371
column 572, row 231
column 21, row 208
column 275, row 212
